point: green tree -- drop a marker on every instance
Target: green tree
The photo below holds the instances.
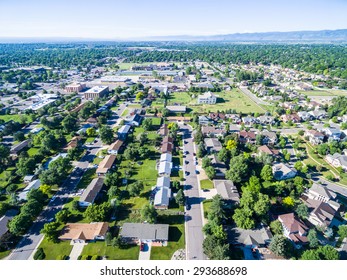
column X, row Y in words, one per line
column 210, row 172
column 39, row 254
column 280, row 246
column 149, row 214
column 97, row 212
column 50, row 230
column 288, row 202
column 302, row 210
column 216, row 212
column 328, row 252
column 106, row 134
column 19, row 224
column 262, row 205
column 276, row 227
column 147, row 124
column 238, row 169
column 266, row 173
column 69, row 123
column 231, row 144
column 312, row 238
column 310, row 255
column 19, row 136
column 215, row 249
column 91, row 132
column 180, row 198
column 223, row 155
column 135, row 188
column 25, row 166
column 243, row 218
column 342, row 231
column 63, row 215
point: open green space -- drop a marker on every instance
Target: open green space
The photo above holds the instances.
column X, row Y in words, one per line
column 53, row 250
column 125, row 112
column 182, row 98
column 33, row 151
column 4, row 254
column 176, row 237
column 90, row 140
column 324, row 92
column 228, row 100
column 15, row 118
column 111, row 253
column 206, row 184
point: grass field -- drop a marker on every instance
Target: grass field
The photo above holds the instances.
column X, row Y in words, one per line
column 88, row 176
column 324, row 92
column 33, row 151
column 112, row 253
column 4, row 254
column 206, row 184
column 53, row 250
column 15, row 118
column 176, row 237
column 229, row 100
column 206, row 205
column 182, row 98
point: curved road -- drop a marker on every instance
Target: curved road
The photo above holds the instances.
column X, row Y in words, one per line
column 193, row 214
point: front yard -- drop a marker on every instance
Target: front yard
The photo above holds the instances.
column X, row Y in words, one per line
column 53, row 250
column 100, row 249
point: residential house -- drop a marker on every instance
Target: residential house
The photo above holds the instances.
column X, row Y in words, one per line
column 207, row 98
column 234, row 118
column 247, row 137
column 82, row 232
column 251, row 238
column 322, row 193
column 91, row 192
column 233, row 128
column 216, row 116
column 19, row 147
column 333, row 133
column 133, row 120
column 123, row 132
column 294, row 229
column 212, row 131
column 74, row 143
column 267, row 150
column 34, row 185
column 167, row 147
column 212, row 145
column 203, row 120
column 115, row 147
column 227, row 190
column 106, row 165
column 177, row 109
column 305, row 116
column 4, row 220
column 162, row 198
column 165, row 168
column 166, row 157
column 315, row 137
column 133, row 233
column 282, row 171
column 163, row 131
column 291, row 117
column 269, row 137
column 29, row 178
column 163, row 182
column 219, row 166
column 318, row 114
column 337, row 160
column 249, row 121
column 266, row 120
column 321, row 213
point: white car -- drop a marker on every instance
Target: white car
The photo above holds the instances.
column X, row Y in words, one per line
column 53, row 198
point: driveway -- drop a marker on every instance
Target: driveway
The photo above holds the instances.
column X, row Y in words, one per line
column 145, row 254
column 76, row 250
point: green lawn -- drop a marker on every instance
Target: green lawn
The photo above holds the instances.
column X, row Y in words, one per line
column 206, row 184
column 125, row 112
column 15, row 118
column 206, row 205
column 77, row 216
column 53, row 250
column 112, row 253
column 33, row 151
column 234, row 100
column 324, row 92
column 182, row 98
column 4, row 254
column 156, row 121
column 90, row 140
column 176, row 237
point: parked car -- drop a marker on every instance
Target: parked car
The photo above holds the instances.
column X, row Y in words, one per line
column 142, row 246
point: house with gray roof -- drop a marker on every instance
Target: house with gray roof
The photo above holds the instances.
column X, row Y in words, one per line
column 337, row 160
column 282, row 171
column 5, row 219
column 34, row 185
column 227, row 190
column 252, row 238
column 163, row 182
column 91, row 192
column 162, row 198
column 144, row 232
column 212, row 145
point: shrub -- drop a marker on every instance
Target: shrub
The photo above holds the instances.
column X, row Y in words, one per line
column 61, row 257
column 95, row 257
column 39, row 254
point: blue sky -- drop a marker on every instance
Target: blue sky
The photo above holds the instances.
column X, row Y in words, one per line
column 140, row 18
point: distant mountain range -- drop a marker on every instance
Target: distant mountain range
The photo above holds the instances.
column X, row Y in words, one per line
column 321, row 36
column 292, row 36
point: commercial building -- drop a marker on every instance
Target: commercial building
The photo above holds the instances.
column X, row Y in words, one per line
column 96, row 92
column 75, row 87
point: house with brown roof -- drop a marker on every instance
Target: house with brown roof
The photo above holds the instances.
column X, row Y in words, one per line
column 115, row 147
column 105, row 165
column 291, row 117
column 167, row 147
column 269, row 151
column 269, row 137
column 321, row 213
column 81, row 232
column 91, row 192
column 315, row 137
column 74, row 143
column 247, row 137
column 294, row 229
column 216, row 116
column 167, row 139
column 212, row 131
column 163, row 131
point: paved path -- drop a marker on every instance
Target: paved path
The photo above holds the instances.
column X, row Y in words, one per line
column 253, row 97
column 146, row 253
column 193, row 216
column 76, row 250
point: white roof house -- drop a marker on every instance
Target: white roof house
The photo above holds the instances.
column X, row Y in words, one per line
column 166, row 157
column 165, row 168
column 162, row 198
column 283, row 171
column 32, row 186
column 163, row 182
column 207, row 98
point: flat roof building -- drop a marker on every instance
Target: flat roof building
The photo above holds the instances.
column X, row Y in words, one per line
column 96, row 92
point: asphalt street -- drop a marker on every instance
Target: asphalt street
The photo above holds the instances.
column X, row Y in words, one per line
column 193, row 213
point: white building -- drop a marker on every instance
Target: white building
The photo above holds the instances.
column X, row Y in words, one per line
column 207, row 98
